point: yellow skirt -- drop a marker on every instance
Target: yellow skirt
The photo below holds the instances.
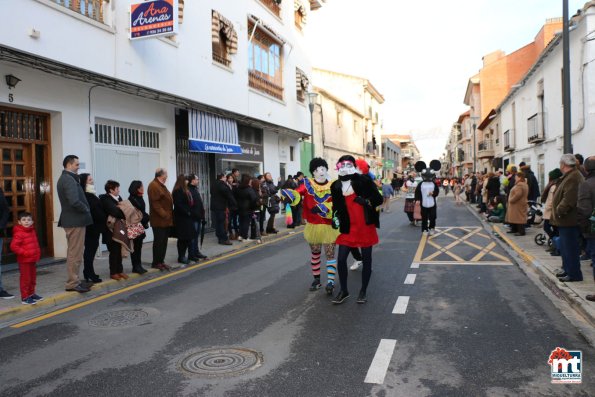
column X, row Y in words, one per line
column 320, row 234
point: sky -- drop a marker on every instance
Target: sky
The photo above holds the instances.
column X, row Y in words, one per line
column 421, row 54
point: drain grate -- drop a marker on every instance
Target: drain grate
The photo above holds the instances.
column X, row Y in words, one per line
column 120, row 318
column 221, row 362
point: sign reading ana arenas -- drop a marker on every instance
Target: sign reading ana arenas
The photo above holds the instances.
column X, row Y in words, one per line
column 153, row 18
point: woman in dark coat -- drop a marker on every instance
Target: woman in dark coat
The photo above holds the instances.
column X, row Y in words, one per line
column 136, row 191
column 109, row 202
column 93, row 231
column 247, row 201
column 183, row 222
column 198, row 218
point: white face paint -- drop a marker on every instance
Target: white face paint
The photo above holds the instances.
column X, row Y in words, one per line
column 320, row 174
column 346, row 168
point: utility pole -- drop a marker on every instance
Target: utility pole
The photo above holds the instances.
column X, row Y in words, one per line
column 566, row 79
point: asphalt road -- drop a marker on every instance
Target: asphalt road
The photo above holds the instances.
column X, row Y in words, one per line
column 474, row 327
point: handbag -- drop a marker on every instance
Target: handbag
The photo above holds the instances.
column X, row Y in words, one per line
column 133, row 231
column 417, row 211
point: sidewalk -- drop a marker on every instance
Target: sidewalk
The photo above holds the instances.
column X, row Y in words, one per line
column 546, row 265
column 51, row 278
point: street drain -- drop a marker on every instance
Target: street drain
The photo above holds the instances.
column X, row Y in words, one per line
column 223, row 362
column 120, row 318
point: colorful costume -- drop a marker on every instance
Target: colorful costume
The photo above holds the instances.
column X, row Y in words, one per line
column 317, row 210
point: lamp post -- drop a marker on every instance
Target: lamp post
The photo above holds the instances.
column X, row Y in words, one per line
column 566, row 78
column 311, row 102
column 474, row 120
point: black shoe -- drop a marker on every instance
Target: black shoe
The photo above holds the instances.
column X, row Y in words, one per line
column 79, row 288
column 511, row 231
column 315, row 285
column 330, row 287
column 520, row 234
column 93, row 279
column 201, row 256
column 340, row 298
column 362, row 298
column 5, row 295
column 555, row 253
column 225, row 242
column 183, row 261
column 568, row 279
column 139, row 269
column 560, row 273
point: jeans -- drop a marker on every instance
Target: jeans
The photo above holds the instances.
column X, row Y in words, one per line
column 261, row 218
column 549, row 229
column 219, row 221
column 255, row 232
column 234, row 223
column 591, row 252
column 570, row 251
column 193, row 249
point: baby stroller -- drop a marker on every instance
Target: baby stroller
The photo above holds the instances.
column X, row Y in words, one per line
column 534, row 213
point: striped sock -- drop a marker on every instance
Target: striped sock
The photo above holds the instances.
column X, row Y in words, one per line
column 315, row 264
column 331, row 270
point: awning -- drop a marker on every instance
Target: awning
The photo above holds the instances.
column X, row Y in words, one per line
column 213, row 134
column 298, row 6
column 301, row 80
column 221, row 24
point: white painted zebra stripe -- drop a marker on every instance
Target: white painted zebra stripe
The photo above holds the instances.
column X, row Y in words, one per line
column 410, row 279
column 415, row 265
column 381, row 361
column 401, row 305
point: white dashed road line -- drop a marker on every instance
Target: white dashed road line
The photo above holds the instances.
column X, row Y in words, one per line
column 410, row 279
column 381, row 361
column 415, row 265
column 401, row 305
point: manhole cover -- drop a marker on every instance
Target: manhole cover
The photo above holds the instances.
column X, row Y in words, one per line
column 221, row 362
column 120, row 318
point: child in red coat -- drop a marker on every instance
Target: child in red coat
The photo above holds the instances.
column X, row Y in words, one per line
column 24, row 244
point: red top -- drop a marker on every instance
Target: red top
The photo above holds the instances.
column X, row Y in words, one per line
column 314, row 194
column 24, row 244
column 360, row 235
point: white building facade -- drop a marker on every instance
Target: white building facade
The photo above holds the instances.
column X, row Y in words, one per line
column 228, row 77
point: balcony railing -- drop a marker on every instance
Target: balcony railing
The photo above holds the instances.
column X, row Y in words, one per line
column 93, row 9
column 406, row 153
column 273, row 5
column 262, row 84
column 509, row 140
column 535, row 130
column 219, row 59
column 485, row 148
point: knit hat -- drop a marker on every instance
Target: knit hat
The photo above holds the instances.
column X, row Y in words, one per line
column 555, row 173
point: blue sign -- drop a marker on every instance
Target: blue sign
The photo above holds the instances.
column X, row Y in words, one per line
column 153, row 18
column 213, row 147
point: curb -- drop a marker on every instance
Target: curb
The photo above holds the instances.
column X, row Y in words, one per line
column 545, row 276
column 110, row 285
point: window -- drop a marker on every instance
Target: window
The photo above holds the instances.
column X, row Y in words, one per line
column 123, row 136
column 94, row 9
column 291, row 153
column 224, row 39
column 299, row 14
column 273, row 5
column 265, row 60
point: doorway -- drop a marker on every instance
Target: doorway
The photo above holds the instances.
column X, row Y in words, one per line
column 25, row 174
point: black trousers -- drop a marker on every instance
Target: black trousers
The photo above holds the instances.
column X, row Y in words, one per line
column 115, row 258
column 428, row 214
column 271, row 223
column 91, row 245
column 219, row 222
column 138, row 249
column 182, row 247
column 342, row 266
column 261, row 218
column 160, row 236
column 245, row 224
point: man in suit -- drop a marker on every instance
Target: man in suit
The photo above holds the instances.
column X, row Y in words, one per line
column 74, row 218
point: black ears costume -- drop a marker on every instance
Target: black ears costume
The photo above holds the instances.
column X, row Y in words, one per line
column 428, row 174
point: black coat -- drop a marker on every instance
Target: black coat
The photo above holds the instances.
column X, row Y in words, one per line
column 198, row 209
column 110, row 207
column 493, row 187
column 97, row 213
column 183, row 222
column 247, row 199
column 533, row 185
column 271, row 199
column 139, row 203
column 363, row 187
column 4, row 213
column 221, row 197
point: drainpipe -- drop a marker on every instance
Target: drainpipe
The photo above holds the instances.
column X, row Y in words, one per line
column 91, row 140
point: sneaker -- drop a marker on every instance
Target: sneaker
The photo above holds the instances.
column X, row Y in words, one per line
column 5, row 295
column 362, row 298
column 240, row 238
column 330, row 287
column 425, row 232
column 356, row 265
column 340, row 298
column 29, row 301
column 432, row 232
column 259, row 241
column 36, row 297
column 315, row 285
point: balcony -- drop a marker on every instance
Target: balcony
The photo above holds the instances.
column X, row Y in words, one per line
column 485, row 149
column 273, row 5
column 406, row 153
column 260, row 83
column 93, row 9
column 535, row 130
column 460, row 155
column 509, row 140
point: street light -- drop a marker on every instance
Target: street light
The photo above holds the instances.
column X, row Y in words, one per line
column 311, row 102
column 474, row 118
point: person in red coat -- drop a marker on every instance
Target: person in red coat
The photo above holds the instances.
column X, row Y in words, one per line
column 26, row 247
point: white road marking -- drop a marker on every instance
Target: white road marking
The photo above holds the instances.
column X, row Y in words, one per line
column 410, row 279
column 415, row 265
column 401, row 305
column 381, row 361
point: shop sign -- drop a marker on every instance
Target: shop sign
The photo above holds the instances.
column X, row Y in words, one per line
column 252, row 152
column 389, row 163
column 153, row 18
